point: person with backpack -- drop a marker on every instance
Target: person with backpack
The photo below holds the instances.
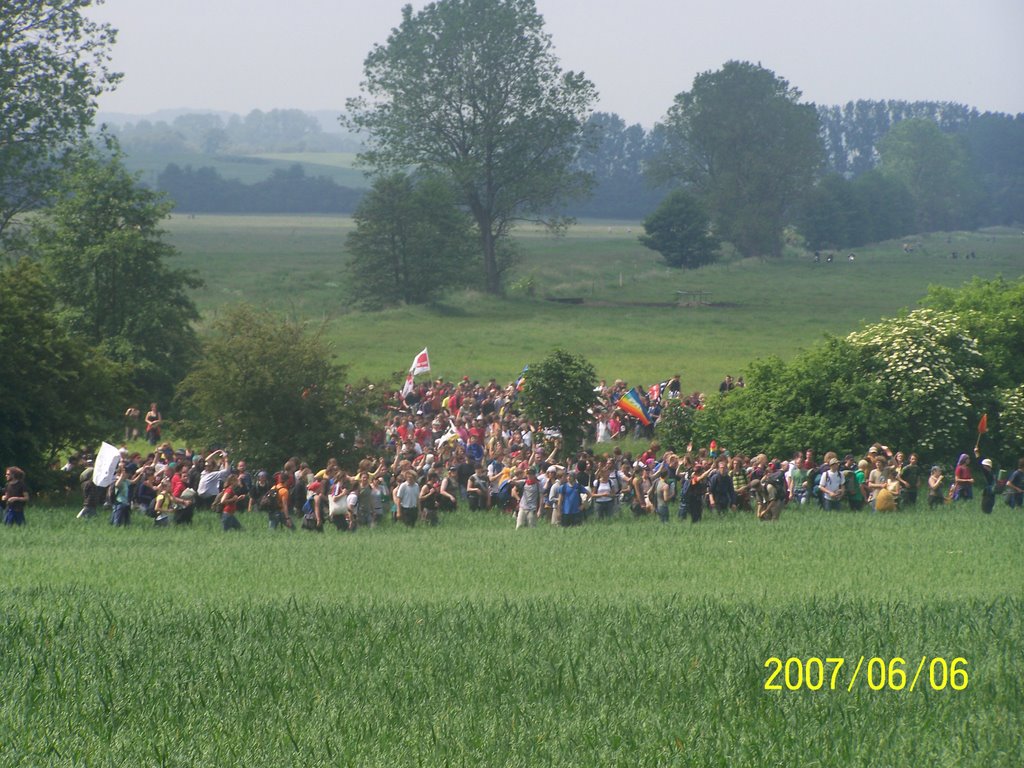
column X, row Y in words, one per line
column 277, row 503
column 315, row 508
column 830, row 485
column 854, row 480
column 773, row 476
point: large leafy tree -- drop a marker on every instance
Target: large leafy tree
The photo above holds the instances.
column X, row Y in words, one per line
column 936, row 169
column 558, row 393
column 410, row 243
column 742, row 140
column 56, row 389
column 472, row 89
column 681, row 232
column 267, row 388
column 102, row 244
column 53, row 66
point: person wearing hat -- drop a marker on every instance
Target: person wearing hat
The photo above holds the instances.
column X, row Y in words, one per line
column 988, row 478
column 831, row 486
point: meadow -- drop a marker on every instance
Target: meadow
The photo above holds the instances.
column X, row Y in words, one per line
column 622, row 643
column 630, row 327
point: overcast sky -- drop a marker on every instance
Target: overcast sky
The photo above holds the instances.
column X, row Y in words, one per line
column 239, row 55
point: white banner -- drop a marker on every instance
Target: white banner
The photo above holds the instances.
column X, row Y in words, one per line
column 105, row 467
column 420, row 364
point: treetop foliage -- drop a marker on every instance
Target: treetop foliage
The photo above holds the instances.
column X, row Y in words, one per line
column 472, row 89
column 263, row 382
column 54, row 64
column 558, row 393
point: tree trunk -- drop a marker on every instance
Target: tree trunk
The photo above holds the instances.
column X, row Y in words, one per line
column 492, row 278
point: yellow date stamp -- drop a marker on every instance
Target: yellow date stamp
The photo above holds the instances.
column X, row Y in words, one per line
column 833, row 673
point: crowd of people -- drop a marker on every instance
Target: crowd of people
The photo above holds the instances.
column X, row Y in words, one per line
column 448, row 445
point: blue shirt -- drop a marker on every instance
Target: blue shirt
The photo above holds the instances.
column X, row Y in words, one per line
column 571, row 499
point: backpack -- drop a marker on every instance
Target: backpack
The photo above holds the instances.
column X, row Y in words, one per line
column 269, row 502
column 218, row 503
column 850, row 484
column 652, row 493
column 813, row 478
column 776, row 479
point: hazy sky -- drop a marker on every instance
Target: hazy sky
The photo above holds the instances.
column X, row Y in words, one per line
column 238, row 55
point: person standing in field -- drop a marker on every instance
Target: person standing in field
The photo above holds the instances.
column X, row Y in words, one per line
column 555, row 486
column 910, row 479
column 229, row 498
column 122, row 513
column 571, row 496
column 963, row 481
column 721, row 492
column 988, row 479
column 407, row 499
column 1015, row 486
column 153, row 422
column 215, row 473
column 831, row 485
column 15, row 497
column 131, row 423
column 529, row 500
column 935, row 494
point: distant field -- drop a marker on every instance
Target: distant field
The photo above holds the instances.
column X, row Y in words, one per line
column 294, row 264
column 621, row 644
column 250, row 169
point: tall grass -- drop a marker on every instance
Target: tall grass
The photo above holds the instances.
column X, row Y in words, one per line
column 627, row 643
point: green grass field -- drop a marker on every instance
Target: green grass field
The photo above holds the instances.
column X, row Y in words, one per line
column 624, row 643
column 295, row 264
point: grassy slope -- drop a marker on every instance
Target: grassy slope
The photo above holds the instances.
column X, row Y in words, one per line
column 623, row 644
column 295, row 264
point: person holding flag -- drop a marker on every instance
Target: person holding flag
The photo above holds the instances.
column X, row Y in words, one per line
column 420, row 364
column 631, row 404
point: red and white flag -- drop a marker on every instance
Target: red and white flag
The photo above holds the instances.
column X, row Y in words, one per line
column 420, row 363
column 407, row 387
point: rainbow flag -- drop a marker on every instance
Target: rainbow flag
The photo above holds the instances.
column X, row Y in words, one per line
column 631, row 404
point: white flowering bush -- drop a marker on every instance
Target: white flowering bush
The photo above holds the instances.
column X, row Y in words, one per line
column 1011, row 421
column 931, row 368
